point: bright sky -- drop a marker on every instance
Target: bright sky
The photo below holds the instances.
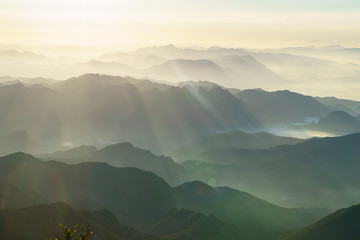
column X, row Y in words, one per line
column 136, row 23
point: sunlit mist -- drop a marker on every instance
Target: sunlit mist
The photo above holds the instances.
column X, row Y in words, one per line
column 131, row 24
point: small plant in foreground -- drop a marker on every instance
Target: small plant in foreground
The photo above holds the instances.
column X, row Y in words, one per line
column 68, row 233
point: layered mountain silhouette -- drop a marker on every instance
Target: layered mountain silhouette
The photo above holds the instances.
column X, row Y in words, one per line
column 349, row 106
column 73, row 153
column 247, row 72
column 232, row 139
column 187, row 70
column 9, row 56
column 111, row 68
column 124, row 155
column 138, row 61
column 212, row 168
column 141, row 199
column 7, row 80
column 317, row 172
column 342, row 224
column 84, row 110
column 250, row 214
column 336, row 123
column 140, row 203
column 270, row 68
column 30, row 112
column 173, row 52
column 100, row 110
column 335, row 52
column 283, row 107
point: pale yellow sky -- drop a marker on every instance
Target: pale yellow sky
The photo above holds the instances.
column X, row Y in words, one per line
column 128, row 24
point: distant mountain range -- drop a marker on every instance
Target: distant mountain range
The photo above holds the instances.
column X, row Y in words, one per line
column 232, row 139
column 271, row 173
column 283, row 107
column 101, row 110
column 324, row 171
column 124, row 155
column 336, row 123
column 293, row 68
column 247, row 72
column 334, row 52
column 179, row 143
column 186, row 70
column 349, row 106
column 250, row 214
column 6, row 80
column 84, row 110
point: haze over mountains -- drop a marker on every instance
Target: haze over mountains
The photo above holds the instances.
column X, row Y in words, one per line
column 337, row 122
column 234, row 159
column 312, row 166
column 101, row 110
column 180, row 143
column 148, row 198
column 273, row 69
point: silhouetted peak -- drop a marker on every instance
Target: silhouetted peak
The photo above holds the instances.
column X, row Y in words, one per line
column 171, row 46
column 340, row 117
column 119, row 146
column 19, row 156
column 16, row 85
column 80, row 151
column 95, row 82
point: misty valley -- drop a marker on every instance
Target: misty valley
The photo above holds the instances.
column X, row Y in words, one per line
column 180, row 143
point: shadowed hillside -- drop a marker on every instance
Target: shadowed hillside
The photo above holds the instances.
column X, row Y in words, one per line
column 123, row 155
column 182, row 224
column 342, row 224
column 13, row 197
column 141, row 198
column 256, row 218
column 42, row 222
column 324, row 171
column 136, row 197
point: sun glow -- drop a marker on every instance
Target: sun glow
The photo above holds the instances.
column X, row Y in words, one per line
column 131, row 24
